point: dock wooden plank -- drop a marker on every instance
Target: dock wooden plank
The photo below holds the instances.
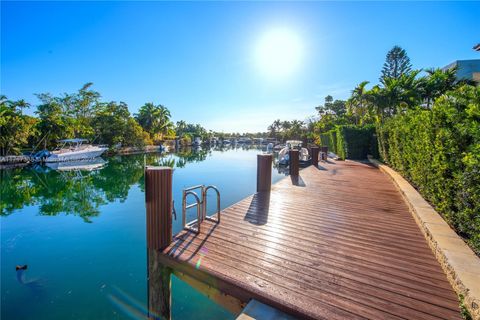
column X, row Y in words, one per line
column 339, row 242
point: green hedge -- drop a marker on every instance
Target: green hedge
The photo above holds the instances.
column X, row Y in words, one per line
column 356, row 142
column 351, row 142
column 438, row 150
column 329, row 139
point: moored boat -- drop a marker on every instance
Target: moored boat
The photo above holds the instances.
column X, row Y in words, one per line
column 303, row 155
column 72, row 150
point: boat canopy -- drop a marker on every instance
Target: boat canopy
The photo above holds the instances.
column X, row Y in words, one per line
column 294, row 142
column 76, row 140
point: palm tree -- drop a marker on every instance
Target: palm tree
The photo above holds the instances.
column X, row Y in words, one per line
column 437, row 83
column 274, row 128
column 285, row 127
column 358, row 102
column 296, row 129
column 163, row 125
column 155, row 119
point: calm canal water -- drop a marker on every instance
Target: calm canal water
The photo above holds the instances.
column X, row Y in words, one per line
column 82, row 235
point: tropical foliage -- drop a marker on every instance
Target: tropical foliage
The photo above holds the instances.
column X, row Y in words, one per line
column 15, row 127
column 438, row 150
column 155, row 119
column 284, row 130
column 80, row 114
column 401, row 89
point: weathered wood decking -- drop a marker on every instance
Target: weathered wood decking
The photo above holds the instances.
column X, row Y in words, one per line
column 338, row 243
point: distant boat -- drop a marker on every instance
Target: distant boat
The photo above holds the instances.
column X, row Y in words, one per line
column 72, row 150
column 197, row 141
column 226, row 141
column 284, row 157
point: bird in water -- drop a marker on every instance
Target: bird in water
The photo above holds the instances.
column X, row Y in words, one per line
column 33, row 284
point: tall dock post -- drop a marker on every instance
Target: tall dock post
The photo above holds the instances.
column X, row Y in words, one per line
column 324, row 150
column 314, row 150
column 158, row 198
column 264, row 172
column 294, row 162
column 159, row 287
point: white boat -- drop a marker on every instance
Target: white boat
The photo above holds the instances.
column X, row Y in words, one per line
column 270, row 147
column 197, row 141
column 283, row 155
column 74, row 149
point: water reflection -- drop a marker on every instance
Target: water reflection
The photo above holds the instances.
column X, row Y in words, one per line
column 81, row 188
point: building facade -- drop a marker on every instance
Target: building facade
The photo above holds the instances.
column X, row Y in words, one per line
column 466, row 69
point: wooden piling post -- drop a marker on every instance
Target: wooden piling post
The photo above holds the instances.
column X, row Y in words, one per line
column 324, row 150
column 158, row 197
column 159, row 287
column 314, row 151
column 264, row 172
column 293, row 162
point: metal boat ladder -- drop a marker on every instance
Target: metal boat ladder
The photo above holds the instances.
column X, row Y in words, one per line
column 201, row 204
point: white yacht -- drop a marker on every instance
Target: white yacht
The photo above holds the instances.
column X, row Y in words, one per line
column 74, row 149
column 283, row 155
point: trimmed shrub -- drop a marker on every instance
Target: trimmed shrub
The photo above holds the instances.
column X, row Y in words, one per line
column 438, row 150
column 356, row 142
column 329, row 139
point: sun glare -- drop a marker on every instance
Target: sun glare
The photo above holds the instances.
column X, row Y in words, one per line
column 278, row 53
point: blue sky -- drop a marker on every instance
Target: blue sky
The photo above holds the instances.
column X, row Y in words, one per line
column 199, row 58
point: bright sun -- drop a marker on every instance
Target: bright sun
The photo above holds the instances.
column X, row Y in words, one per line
column 278, row 53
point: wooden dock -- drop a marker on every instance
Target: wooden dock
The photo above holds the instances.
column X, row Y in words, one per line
column 338, row 242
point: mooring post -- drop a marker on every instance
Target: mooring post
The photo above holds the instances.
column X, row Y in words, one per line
column 314, row 150
column 264, row 172
column 294, row 162
column 324, row 151
column 159, row 287
column 158, row 197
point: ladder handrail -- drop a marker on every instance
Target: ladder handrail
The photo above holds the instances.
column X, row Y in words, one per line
column 184, row 211
column 201, row 204
column 200, row 186
column 204, row 200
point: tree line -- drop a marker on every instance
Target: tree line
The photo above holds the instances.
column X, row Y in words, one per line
column 400, row 88
column 83, row 114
